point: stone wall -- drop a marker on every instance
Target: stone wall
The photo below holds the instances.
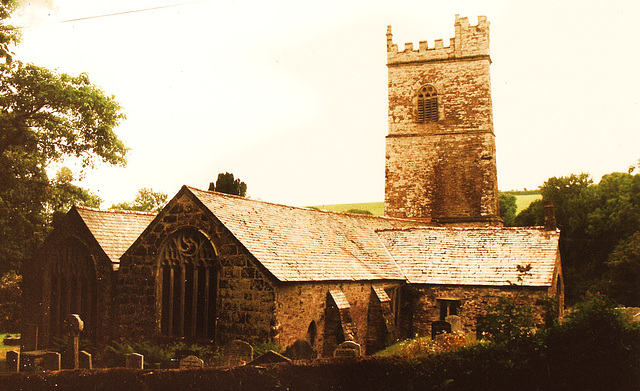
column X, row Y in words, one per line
column 245, row 298
column 302, row 303
column 37, row 300
column 444, row 171
column 421, row 304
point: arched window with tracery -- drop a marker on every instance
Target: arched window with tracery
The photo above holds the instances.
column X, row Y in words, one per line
column 187, row 285
column 72, row 283
column 427, row 102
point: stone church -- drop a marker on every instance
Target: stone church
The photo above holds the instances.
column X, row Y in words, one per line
column 211, row 267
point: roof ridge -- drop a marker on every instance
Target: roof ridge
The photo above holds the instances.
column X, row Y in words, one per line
column 120, row 211
column 488, row 228
column 305, row 208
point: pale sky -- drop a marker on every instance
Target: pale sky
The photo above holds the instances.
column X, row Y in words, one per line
column 291, row 96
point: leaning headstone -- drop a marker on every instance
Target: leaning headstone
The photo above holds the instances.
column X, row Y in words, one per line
column 13, row 361
column 73, row 325
column 84, row 359
column 269, row 357
column 191, row 362
column 439, row 327
column 238, row 352
column 134, row 361
column 51, row 361
column 456, row 323
column 347, row 349
column 300, row 350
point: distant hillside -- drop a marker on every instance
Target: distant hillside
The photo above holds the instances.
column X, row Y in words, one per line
column 523, row 199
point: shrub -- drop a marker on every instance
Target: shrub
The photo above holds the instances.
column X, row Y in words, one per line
column 594, row 348
column 10, row 296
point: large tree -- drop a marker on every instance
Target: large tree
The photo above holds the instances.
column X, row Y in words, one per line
column 46, row 117
column 594, row 219
column 146, row 200
column 226, row 183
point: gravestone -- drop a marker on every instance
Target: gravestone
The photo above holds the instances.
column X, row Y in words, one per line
column 191, row 362
column 300, row 350
column 73, row 326
column 13, row 361
column 456, row 323
column 51, row 361
column 29, row 337
column 439, row 327
column 134, row 361
column 269, row 357
column 238, row 352
column 11, row 341
column 84, row 359
column 31, row 360
column 347, row 349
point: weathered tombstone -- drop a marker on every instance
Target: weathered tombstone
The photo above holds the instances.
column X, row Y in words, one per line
column 29, row 337
column 51, row 361
column 73, row 325
column 191, row 362
column 31, row 360
column 456, row 323
column 84, row 359
column 11, row 341
column 269, row 357
column 13, row 361
column 347, row 349
column 300, row 350
column 439, row 327
column 134, row 361
column 238, row 352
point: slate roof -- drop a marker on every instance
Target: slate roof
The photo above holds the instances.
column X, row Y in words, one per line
column 302, row 244
column 114, row 230
column 473, row 256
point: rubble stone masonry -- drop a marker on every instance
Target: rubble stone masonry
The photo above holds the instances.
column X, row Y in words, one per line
column 442, row 171
column 245, row 295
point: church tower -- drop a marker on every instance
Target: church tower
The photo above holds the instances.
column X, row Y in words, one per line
column 440, row 150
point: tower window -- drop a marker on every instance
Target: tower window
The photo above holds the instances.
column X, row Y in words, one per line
column 427, row 105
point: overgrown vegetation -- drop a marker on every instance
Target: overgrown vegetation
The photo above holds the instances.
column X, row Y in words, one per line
column 598, row 223
column 10, row 298
column 595, row 348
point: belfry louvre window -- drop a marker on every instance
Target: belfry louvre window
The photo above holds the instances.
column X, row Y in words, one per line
column 427, row 105
column 187, row 286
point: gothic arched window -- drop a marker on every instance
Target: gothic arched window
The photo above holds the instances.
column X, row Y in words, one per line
column 427, row 105
column 72, row 286
column 187, row 285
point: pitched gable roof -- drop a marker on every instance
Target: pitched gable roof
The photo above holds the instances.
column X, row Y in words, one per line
column 114, row 230
column 301, row 244
column 473, row 256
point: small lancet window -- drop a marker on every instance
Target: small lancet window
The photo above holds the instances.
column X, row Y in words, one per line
column 427, row 105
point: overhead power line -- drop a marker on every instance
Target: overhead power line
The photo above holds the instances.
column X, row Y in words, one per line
column 111, row 14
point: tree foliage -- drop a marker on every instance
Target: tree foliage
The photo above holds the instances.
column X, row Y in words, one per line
column 9, row 35
column 146, row 200
column 622, row 277
column 226, row 183
column 594, row 219
column 47, row 117
column 10, row 298
column 508, row 208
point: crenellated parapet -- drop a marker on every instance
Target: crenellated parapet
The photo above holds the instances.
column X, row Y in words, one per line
column 469, row 41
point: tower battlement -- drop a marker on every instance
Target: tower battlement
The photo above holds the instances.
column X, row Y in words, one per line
column 469, row 41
